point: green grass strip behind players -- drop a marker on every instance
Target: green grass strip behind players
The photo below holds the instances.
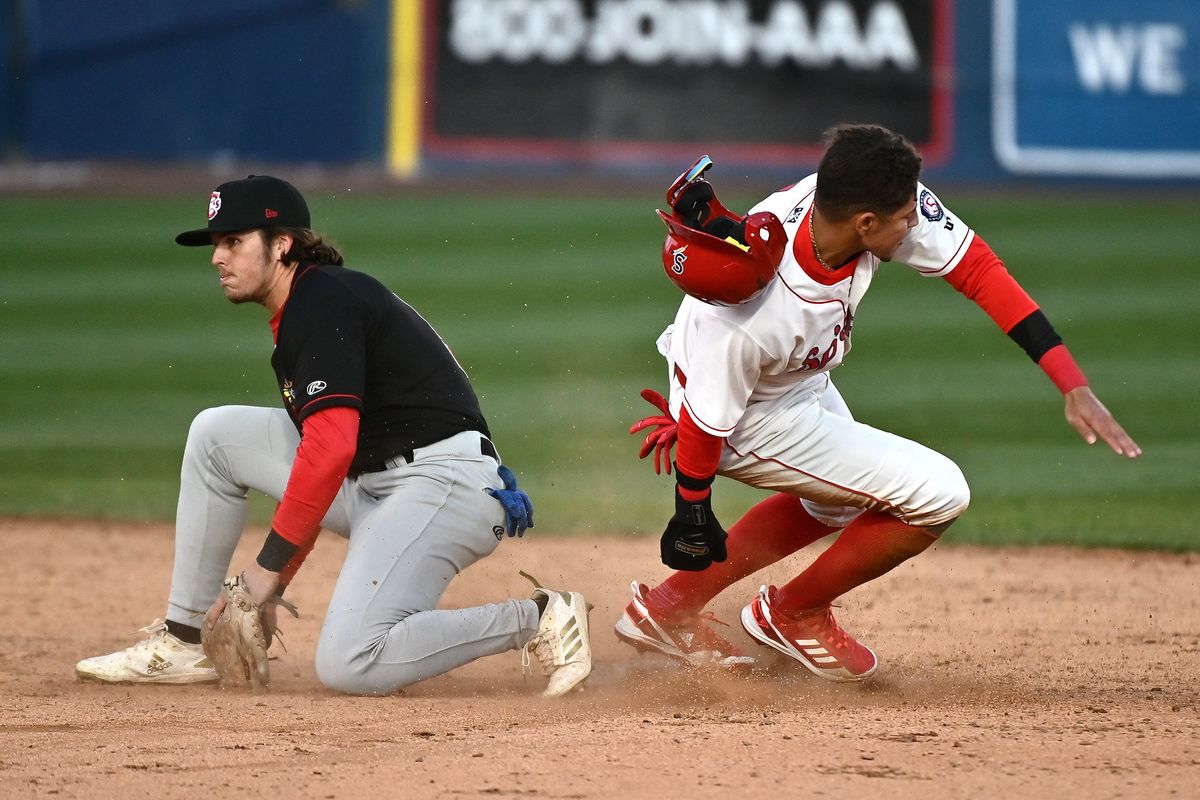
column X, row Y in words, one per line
column 112, row 338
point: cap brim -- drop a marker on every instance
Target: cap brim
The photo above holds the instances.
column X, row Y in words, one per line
column 196, row 238
column 202, row 237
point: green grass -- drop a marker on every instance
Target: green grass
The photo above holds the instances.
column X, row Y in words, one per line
column 112, row 338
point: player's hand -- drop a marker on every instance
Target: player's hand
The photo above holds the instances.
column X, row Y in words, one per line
column 662, row 438
column 694, row 539
column 518, row 508
column 261, row 583
column 1088, row 415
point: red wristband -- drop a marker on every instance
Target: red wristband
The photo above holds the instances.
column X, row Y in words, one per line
column 1061, row 368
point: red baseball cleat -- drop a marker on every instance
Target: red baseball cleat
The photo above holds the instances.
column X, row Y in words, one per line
column 811, row 637
column 688, row 638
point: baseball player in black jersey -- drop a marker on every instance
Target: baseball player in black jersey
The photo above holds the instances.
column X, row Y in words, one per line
column 382, row 441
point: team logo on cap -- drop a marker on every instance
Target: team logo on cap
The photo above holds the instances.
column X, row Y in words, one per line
column 931, row 209
column 214, row 204
column 678, row 256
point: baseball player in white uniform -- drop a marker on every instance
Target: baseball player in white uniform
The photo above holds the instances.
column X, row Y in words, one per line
column 772, row 302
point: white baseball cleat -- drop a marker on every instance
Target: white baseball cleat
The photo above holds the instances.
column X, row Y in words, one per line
column 159, row 658
column 561, row 643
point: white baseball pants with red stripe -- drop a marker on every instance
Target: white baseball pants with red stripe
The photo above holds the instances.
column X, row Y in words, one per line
column 807, row 444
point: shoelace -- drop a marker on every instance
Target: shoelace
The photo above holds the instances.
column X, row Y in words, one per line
column 545, row 656
column 705, row 638
column 525, row 660
column 835, row 633
column 711, row 637
column 153, row 631
column 532, row 644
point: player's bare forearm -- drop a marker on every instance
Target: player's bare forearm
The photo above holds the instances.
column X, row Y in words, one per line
column 1088, row 415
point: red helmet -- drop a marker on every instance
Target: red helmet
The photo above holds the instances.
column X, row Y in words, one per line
column 711, row 253
column 719, row 270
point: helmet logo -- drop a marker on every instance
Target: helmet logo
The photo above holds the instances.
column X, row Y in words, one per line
column 214, row 204
column 678, row 256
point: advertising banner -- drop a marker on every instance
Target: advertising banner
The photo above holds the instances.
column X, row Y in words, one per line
column 1097, row 87
column 126, row 79
column 755, row 80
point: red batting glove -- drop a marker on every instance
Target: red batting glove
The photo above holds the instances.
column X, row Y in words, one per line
column 662, row 438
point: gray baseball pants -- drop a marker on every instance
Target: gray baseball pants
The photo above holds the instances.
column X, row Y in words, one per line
column 411, row 529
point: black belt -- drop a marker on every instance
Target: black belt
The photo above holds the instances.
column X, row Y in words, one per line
column 486, row 448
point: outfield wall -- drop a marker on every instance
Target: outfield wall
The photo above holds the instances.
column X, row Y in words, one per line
column 992, row 90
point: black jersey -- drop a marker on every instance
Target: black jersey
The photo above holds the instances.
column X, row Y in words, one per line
column 345, row 339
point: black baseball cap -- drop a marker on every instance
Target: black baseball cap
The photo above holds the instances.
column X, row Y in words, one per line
column 258, row 201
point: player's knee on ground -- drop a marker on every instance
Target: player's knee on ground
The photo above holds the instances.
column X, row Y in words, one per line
column 348, row 662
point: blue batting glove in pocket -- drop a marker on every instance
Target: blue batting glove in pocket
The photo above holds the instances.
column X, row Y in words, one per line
column 518, row 508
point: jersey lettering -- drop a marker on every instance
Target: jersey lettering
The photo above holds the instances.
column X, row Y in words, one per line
column 841, row 333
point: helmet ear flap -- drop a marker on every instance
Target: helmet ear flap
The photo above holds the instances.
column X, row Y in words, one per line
column 765, row 236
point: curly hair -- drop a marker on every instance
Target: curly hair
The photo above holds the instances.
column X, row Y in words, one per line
column 865, row 168
column 307, row 247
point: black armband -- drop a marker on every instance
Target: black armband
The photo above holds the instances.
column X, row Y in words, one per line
column 276, row 552
column 693, row 484
column 1035, row 335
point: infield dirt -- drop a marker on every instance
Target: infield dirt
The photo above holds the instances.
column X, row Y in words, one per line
column 1006, row 672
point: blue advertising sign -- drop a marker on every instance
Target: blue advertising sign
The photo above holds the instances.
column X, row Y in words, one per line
column 273, row 80
column 1097, row 87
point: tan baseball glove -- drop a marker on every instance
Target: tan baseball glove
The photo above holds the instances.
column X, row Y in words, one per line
column 237, row 640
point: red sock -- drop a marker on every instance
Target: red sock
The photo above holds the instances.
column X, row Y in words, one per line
column 870, row 546
column 770, row 530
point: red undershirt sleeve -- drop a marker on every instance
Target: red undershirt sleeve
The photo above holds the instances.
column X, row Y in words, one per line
column 982, row 278
column 327, row 446
column 697, row 455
